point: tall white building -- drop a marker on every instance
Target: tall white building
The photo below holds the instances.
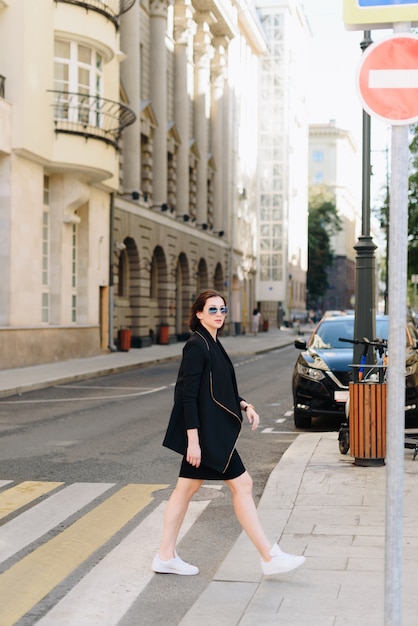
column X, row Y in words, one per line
column 283, row 162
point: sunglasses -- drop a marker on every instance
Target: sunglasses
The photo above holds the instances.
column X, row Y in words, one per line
column 212, row 310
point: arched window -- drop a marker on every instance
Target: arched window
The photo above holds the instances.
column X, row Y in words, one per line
column 154, row 279
column 123, row 274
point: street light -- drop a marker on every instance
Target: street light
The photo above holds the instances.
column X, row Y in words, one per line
column 365, row 307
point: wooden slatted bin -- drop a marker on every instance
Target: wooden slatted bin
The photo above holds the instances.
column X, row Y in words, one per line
column 367, row 423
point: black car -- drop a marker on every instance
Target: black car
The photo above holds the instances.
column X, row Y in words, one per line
column 322, row 371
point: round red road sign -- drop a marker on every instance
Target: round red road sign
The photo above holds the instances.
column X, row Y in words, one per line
column 387, row 79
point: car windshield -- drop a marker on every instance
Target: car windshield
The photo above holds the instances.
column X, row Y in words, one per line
column 328, row 333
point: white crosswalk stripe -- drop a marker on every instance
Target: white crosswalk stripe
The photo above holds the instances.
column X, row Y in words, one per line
column 109, row 589
column 55, row 529
column 43, row 517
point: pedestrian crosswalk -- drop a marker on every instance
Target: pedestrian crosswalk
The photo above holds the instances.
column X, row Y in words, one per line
column 74, row 555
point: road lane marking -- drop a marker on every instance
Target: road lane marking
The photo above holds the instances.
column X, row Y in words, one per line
column 115, row 397
column 22, row 494
column 43, row 517
column 119, row 387
column 281, row 420
column 55, row 560
column 271, row 431
column 107, row 592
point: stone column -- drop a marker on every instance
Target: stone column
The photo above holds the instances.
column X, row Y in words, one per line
column 184, row 28
column 131, row 78
column 158, row 90
column 217, row 131
column 202, row 52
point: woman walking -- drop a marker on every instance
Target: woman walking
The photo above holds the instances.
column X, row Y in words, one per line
column 204, row 426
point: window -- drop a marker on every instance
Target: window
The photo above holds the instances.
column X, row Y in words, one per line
column 78, row 70
column 45, row 254
column 123, row 274
column 318, row 178
column 318, row 156
column 74, row 273
column 45, row 248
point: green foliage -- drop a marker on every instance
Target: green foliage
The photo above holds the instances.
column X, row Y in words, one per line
column 323, row 223
column 383, row 210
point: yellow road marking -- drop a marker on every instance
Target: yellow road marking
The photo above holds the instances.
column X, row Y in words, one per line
column 32, row 578
column 22, row 494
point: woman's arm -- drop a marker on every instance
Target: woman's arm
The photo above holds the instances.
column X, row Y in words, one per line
column 193, row 366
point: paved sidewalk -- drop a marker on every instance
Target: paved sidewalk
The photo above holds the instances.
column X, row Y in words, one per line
column 19, row 380
column 317, row 503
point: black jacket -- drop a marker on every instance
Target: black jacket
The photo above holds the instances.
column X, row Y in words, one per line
column 206, row 397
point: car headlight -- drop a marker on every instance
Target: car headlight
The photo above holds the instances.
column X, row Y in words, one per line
column 310, row 372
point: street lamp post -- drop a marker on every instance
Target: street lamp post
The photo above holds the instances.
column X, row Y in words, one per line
column 365, row 306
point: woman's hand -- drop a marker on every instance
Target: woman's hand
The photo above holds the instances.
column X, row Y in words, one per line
column 253, row 417
column 194, row 453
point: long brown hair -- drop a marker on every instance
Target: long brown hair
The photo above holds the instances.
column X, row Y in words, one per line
column 199, row 305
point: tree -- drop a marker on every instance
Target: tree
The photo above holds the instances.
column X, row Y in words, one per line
column 323, row 223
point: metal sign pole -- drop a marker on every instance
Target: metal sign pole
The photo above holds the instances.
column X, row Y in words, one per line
column 398, row 244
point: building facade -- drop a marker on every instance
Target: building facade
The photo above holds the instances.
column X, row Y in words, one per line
column 61, row 119
column 128, row 170
column 283, row 173
column 185, row 216
column 334, row 168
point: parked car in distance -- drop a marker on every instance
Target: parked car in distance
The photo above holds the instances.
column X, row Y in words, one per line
column 322, row 371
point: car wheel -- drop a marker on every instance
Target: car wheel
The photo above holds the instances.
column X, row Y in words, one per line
column 301, row 419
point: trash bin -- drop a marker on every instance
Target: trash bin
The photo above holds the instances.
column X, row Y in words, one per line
column 367, row 422
column 265, row 326
column 164, row 334
column 124, row 339
column 237, row 328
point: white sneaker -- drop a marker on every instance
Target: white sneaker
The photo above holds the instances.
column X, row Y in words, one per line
column 175, row 565
column 280, row 562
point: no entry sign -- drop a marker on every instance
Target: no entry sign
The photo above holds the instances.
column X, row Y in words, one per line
column 388, row 79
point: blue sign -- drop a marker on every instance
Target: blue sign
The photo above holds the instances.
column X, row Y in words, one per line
column 384, row 3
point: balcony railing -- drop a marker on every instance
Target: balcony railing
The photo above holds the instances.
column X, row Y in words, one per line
column 90, row 116
column 2, row 86
column 111, row 9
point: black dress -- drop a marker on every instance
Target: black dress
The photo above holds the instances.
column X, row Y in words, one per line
column 235, row 466
column 234, row 469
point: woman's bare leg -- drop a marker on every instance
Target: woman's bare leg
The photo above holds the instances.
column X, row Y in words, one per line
column 246, row 513
column 175, row 513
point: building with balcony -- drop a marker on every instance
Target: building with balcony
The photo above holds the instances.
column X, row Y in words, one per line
column 130, row 176
column 61, row 119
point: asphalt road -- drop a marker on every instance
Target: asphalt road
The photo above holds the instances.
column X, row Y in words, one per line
column 109, row 430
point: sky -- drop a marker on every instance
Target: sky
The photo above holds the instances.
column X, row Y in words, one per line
column 334, row 59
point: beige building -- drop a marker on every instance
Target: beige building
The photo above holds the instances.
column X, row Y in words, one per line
column 60, row 128
column 334, row 168
column 128, row 169
column 186, row 215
